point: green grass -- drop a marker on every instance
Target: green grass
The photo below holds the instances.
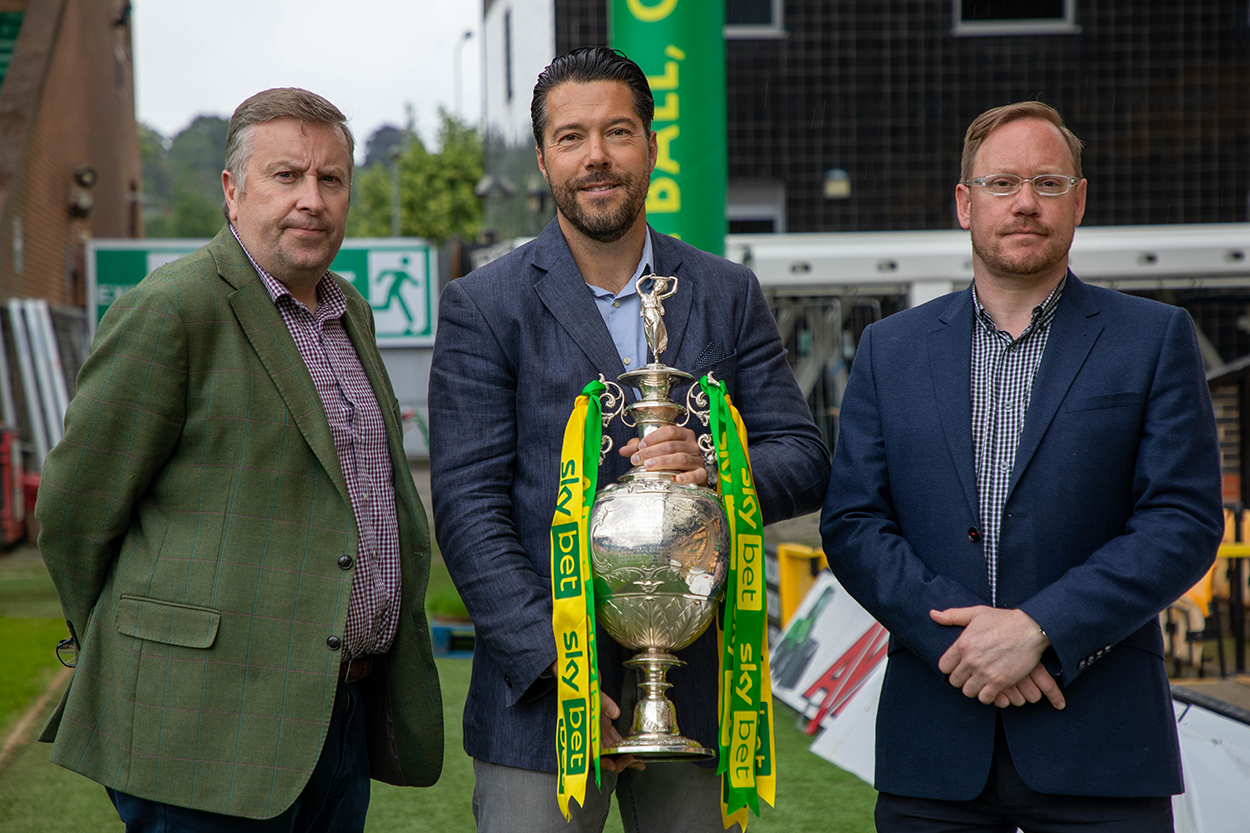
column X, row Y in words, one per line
column 30, row 627
column 441, row 599
column 813, row 796
column 26, row 591
column 445, row 807
column 29, row 663
column 36, row 796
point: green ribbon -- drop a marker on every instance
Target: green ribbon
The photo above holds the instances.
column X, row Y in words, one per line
column 592, row 444
column 746, row 738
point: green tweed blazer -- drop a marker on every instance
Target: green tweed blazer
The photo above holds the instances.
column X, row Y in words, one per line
column 193, row 519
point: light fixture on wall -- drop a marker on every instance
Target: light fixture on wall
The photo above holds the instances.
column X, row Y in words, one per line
column 538, row 197
column 80, row 199
column 490, row 184
column 837, row 184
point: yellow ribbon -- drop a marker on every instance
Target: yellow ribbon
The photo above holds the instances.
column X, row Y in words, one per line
column 572, row 594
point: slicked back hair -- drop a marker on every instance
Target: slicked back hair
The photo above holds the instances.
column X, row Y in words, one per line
column 989, row 121
column 279, row 103
column 583, row 66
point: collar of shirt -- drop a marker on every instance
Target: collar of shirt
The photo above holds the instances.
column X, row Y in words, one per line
column 1042, row 313
column 622, row 312
column 331, row 302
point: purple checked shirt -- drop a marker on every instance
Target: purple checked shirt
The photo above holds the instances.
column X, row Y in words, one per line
column 360, row 441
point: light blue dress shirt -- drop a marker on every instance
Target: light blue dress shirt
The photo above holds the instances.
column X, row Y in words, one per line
column 623, row 314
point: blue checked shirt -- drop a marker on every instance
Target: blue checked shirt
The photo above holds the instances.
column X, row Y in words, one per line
column 1003, row 370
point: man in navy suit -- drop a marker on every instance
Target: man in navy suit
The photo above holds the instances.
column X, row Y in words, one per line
column 517, row 341
column 1026, row 474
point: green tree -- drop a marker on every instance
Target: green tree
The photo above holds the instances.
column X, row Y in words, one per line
column 158, row 177
column 436, row 199
column 198, row 152
column 182, row 179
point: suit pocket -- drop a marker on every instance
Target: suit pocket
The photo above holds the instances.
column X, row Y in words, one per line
column 722, row 370
column 170, row 623
column 1104, row 400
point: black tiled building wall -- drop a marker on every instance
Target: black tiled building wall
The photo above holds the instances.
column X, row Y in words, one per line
column 1159, row 91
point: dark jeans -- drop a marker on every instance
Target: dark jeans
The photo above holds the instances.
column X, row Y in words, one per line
column 335, row 799
column 1007, row 803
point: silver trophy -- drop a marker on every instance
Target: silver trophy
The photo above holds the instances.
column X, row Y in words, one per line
column 659, row 548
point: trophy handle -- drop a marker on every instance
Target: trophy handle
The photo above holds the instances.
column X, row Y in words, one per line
column 708, row 446
column 611, row 403
column 697, row 404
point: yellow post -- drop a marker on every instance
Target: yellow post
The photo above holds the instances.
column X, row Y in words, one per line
column 795, row 574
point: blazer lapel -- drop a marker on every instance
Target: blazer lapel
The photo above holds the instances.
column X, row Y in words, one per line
column 563, row 291
column 950, row 362
column 365, row 343
column 265, row 330
column 1073, row 332
column 356, row 322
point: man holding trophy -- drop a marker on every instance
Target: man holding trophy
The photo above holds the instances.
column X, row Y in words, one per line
column 518, row 340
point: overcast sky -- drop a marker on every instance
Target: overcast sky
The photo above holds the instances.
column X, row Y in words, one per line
column 368, row 57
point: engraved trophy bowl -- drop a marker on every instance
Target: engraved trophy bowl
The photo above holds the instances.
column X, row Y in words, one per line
column 659, row 550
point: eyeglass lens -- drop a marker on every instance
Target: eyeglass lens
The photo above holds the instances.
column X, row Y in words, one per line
column 1006, row 184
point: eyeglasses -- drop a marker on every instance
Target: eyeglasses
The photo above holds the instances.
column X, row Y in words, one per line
column 1046, row 185
column 67, row 652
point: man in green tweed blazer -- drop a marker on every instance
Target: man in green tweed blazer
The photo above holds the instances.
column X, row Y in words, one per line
column 211, row 520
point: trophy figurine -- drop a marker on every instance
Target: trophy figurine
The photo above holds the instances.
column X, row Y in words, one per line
column 659, row 549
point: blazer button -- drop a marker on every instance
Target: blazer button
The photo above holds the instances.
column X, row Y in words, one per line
column 334, row 642
column 974, row 534
column 345, row 561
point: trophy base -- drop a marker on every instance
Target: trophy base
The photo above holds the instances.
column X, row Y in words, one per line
column 654, row 736
column 661, row 748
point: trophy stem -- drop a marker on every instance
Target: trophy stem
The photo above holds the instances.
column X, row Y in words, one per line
column 654, row 735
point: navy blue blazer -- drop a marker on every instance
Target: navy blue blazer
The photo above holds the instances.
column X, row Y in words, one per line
column 1114, row 510
column 517, row 341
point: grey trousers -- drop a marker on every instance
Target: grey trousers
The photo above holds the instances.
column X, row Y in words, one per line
column 678, row 797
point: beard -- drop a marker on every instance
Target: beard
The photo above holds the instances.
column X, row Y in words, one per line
column 1021, row 263
column 607, row 225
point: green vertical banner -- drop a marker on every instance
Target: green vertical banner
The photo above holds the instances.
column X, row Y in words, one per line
column 680, row 45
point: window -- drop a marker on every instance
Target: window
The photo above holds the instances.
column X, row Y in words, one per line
column 753, row 19
column 767, row 226
column 507, row 55
column 749, row 12
column 755, row 206
column 1015, row 17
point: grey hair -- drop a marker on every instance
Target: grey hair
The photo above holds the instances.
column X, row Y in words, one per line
column 278, row 103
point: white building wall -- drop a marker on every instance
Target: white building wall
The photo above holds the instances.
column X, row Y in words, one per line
column 533, row 40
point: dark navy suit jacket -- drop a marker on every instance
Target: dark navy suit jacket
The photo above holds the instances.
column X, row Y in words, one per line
column 517, row 341
column 1114, row 510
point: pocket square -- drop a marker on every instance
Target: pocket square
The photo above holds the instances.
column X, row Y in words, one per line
column 714, row 352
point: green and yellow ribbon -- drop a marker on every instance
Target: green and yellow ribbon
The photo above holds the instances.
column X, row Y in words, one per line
column 573, row 601
column 747, row 754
